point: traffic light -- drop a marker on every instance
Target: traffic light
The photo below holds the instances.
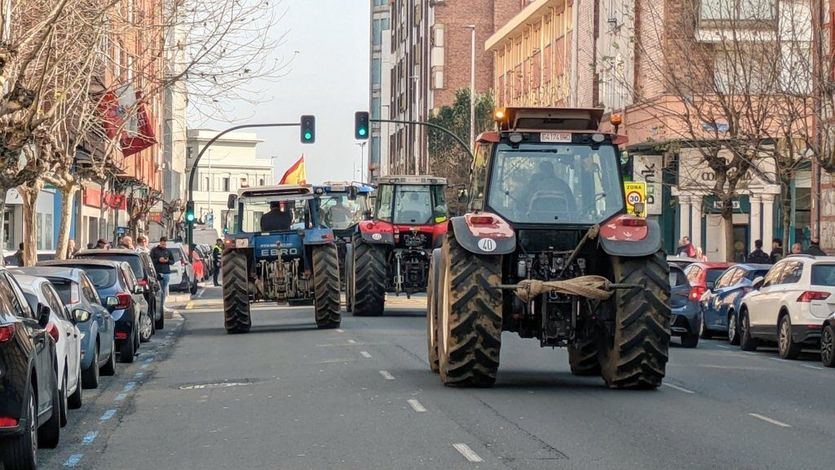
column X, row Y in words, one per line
column 361, row 125
column 190, row 212
column 308, row 124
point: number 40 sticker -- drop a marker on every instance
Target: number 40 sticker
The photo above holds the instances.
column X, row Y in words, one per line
column 487, row 244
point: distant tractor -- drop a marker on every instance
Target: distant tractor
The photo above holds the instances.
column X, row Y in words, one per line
column 391, row 252
column 343, row 206
column 548, row 250
column 280, row 251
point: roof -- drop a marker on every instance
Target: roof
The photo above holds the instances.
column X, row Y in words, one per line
column 754, row 266
column 339, row 186
column 113, row 251
column 713, row 264
column 411, row 179
column 51, row 271
column 276, row 190
column 81, row 262
column 550, row 119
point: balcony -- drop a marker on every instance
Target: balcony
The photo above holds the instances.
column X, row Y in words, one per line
column 736, row 20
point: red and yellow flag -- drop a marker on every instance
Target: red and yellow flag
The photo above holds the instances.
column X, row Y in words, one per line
column 295, row 174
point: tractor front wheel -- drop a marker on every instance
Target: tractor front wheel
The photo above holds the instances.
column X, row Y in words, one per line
column 235, row 292
column 636, row 354
column 369, row 280
column 469, row 316
column 326, row 286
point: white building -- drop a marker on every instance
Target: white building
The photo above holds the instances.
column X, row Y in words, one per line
column 13, row 226
column 228, row 165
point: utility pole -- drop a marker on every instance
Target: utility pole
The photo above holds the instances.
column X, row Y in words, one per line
column 362, row 158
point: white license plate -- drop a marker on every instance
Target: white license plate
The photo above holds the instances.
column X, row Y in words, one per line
column 555, row 137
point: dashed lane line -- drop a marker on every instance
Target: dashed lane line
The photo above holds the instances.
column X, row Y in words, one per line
column 352, row 341
column 769, row 420
column 120, row 397
column 365, row 354
column 340, row 330
column 416, row 405
column 468, row 453
column 386, row 375
column 810, row 366
column 680, row 389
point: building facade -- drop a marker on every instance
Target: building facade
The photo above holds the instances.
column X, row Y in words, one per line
column 231, row 163
column 380, row 92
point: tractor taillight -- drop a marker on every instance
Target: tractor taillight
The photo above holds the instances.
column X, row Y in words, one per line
column 482, row 220
column 633, row 222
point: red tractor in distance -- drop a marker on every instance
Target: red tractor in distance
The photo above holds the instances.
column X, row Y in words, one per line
column 391, row 252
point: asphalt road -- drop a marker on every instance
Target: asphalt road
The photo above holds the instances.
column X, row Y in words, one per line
column 287, row 396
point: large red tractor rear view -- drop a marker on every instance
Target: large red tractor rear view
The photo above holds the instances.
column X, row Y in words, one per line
column 548, row 251
column 391, row 252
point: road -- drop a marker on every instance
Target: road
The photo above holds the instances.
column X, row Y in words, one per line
column 288, row 396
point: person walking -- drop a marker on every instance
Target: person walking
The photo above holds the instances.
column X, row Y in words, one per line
column 142, row 244
column 71, row 248
column 126, row 243
column 815, row 248
column 18, row 256
column 163, row 259
column 101, row 244
column 758, row 255
column 797, row 249
column 217, row 251
column 776, row 250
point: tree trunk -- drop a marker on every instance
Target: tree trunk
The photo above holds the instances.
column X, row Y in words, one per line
column 3, row 192
column 728, row 223
column 786, row 213
column 67, row 199
column 29, row 195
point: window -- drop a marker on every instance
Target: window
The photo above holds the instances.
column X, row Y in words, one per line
column 243, row 183
column 376, row 33
column 225, row 185
column 376, row 72
column 261, row 182
column 55, row 304
column 693, row 273
column 384, row 202
column 823, row 275
column 737, row 10
column 773, row 276
column 11, row 291
column 726, row 279
column 479, row 176
column 792, row 273
column 677, row 277
column 207, row 184
column 375, row 108
column 89, row 291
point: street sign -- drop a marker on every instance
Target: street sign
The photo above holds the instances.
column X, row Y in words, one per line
column 636, row 192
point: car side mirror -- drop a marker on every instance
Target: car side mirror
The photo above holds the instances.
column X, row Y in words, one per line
column 352, row 193
column 137, row 289
column 111, row 301
column 43, row 315
column 80, row 315
column 758, row 282
column 232, row 201
column 463, row 195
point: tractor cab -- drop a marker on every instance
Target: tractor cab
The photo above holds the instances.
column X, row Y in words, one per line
column 344, row 204
column 412, row 204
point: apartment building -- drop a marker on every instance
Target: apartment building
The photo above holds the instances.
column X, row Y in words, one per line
column 380, row 93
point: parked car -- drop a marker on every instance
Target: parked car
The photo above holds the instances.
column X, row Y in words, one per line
column 828, row 342
column 182, row 271
column 143, row 268
column 39, row 293
column 720, row 304
column 685, row 321
column 789, row 305
column 702, row 275
column 98, row 351
column 29, row 399
column 43, row 255
column 124, row 298
column 681, row 261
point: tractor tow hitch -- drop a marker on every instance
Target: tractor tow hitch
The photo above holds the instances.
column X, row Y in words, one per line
column 590, row 287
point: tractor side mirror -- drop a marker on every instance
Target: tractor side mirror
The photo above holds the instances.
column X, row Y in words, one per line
column 232, row 201
column 352, row 193
column 43, row 315
column 463, row 195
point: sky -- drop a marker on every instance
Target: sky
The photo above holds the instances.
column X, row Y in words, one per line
column 328, row 78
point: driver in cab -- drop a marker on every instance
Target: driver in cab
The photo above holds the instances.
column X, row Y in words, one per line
column 544, row 185
column 279, row 218
column 339, row 215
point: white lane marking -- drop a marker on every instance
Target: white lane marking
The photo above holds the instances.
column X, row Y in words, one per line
column 680, row 389
column 340, row 330
column 129, row 386
column 352, row 341
column 810, row 366
column 468, row 453
column 386, row 375
column 723, row 346
column 365, row 354
column 769, row 420
column 138, row 375
column 416, row 405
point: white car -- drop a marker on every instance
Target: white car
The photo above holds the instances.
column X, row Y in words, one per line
column 789, row 305
column 40, row 294
column 182, row 271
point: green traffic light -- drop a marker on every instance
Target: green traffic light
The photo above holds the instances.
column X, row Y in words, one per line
column 363, row 131
column 308, row 136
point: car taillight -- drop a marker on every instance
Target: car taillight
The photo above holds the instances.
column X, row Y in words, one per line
column 6, row 333
column 8, row 422
column 121, row 335
column 125, row 300
column 53, row 331
column 142, row 282
column 696, row 292
column 811, row 295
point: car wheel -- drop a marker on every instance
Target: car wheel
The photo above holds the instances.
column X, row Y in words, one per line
column 90, row 375
column 146, row 327
column 733, row 329
column 828, row 346
column 690, row 340
column 109, row 367
column 22, row 451
column 127, row 350
column 746, row 341
column 50, row 432
column 74, row 401
column 704, row 332
column 63, row 403
column 786, row 345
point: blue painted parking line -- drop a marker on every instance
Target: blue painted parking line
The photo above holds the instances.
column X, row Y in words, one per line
column 120, row 397
column 73, row 460
column 107, row 415
column 89, row 438
column 129, row 386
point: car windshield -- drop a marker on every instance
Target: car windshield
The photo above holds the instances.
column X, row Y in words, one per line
column 338, row 212
column 133, row 260
column 67, row 290
column 263, row 215
column 100, row 276
column 823, row 275
column 555, row 183
column 756, row 273
column 713, row 274
column 411, row 204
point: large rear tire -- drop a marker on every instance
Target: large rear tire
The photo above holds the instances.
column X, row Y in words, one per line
column 349, row 278
column 636, row 356
column 236, row 312
column 326, row 286
column 19, row 452
column 432, row 311
column 369, row 279
column 470, row 316
column 582, row 358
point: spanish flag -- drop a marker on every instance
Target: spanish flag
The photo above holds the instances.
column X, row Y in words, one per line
column 296, row 173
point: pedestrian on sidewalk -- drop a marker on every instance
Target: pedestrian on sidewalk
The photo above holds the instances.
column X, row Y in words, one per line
column 142, row 244
column 101, row 244
column 797, row 249
column 18, row 256
column 815, row 248
column 126, row 243
column 758, row 255
column 776, row 250
column 217, row 251
column 163, row 259
column 71, row 248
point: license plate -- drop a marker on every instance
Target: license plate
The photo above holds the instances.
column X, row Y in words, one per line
column 555, row 137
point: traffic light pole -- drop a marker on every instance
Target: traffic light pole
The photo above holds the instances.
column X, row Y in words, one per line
column 433, row 126
column 193, row 171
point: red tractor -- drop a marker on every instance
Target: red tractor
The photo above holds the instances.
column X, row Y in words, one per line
column 391, row 252
column 547, row 250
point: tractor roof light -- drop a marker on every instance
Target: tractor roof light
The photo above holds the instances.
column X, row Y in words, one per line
column 499, row 115
column 597, row 138
column 616, row 119
column 516, row 137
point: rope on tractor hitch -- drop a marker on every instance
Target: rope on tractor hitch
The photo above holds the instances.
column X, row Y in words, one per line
column 590, row 287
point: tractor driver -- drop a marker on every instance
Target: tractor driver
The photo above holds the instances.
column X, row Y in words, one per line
column 278, row 218
column 545, row 180
column 339, row 215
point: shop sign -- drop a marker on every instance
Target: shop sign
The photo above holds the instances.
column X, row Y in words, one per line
column 648, row 168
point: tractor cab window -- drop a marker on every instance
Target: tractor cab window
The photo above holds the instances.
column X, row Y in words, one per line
column 263, row 215
column 555, row 183
column 339, row 213
column 411, row 204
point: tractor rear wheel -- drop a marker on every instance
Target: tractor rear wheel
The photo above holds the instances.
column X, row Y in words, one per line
column 326, row 286
column 236, row 312
column 469, row 316
column 636, row 355
column 582, row 357
column 349, row 278
column 432, row 311
column 369, row 279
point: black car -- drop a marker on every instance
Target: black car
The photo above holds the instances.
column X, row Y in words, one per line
column 143, row 268
column 29, row 418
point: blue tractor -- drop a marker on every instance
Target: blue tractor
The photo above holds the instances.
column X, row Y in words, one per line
column 343, row 205
column 279, row 250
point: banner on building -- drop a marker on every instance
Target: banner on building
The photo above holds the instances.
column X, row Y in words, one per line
column 295, row 174
column 125, row 116
column 648, row 168
column 636, row 192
